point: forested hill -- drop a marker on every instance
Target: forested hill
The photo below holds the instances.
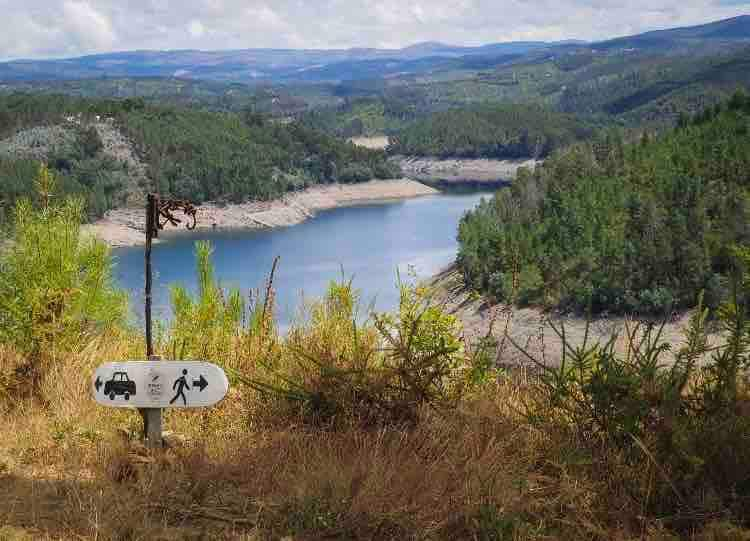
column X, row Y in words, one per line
column 182, row 152
column 506, row 131
column 623, row 228
column 206, row 156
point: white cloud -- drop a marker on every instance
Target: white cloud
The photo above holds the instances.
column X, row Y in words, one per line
column 45, row 28
column 196, row 29
column 86, row 26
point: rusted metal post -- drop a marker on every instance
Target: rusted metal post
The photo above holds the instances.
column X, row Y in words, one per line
column 152, row 230
column 156, row 208
column 152, row 430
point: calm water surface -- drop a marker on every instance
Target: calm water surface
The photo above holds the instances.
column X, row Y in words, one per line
column 370, row 242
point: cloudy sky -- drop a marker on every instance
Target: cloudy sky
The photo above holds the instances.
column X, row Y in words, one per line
column 59, row 28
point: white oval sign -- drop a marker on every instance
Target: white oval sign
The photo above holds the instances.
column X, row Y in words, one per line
column 159, row 384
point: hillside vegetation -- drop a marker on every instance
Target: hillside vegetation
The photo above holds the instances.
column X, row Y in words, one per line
column 387, row 427
column 638, row 227
column 358, row 117
column 80, row 161
column 649, row 87
column 503, row 132
column 198, row 155
column 204, row 156
column 562, row 93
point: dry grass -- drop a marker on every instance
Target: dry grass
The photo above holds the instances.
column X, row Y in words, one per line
column 72, row 470
column 393, row 429
column 252, row 469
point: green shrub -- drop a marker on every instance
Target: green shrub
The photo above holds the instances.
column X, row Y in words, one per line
column 56, row 286
column 657, row 300
column 355, row 173
column 682, row 413
column 333, row 369
column 423, row 352
column 90, row 142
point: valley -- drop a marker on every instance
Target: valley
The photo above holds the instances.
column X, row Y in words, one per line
column 483, row 291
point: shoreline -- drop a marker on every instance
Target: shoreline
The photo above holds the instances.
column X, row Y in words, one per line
column 529, row 327
column 125, row 227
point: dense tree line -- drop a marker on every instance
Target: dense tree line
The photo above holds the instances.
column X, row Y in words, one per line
column 490, row 132
column 204, row 155
column 21, row 110
column 360, row 116
column 192, row 154
column 620, row 227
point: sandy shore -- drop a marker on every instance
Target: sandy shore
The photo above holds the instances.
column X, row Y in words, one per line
column 124, row 227
column 530, row 328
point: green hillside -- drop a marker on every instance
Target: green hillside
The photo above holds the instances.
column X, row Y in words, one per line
column 491, row 132
column 183, row 152
column 640, row 227
column 203, row 155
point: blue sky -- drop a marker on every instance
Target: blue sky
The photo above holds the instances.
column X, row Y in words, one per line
column 59, row 28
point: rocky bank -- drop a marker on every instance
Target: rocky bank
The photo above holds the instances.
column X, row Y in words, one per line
column 125, row 227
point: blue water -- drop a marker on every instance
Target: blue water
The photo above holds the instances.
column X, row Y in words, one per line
column 369, row 242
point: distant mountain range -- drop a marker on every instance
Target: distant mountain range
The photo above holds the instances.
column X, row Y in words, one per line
column 727, row 30
column 312, row 66
column 267, row 65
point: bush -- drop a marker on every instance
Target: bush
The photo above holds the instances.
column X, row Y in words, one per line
column 335, row 370
column 205, row 327
column 56, row 287
column 89, row 142
column 657, row 300
column 385, row 170
column 355, row 173
column 681, row 413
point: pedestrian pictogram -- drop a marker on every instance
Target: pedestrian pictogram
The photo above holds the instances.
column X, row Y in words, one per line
column 163, row 384
column 181, row 385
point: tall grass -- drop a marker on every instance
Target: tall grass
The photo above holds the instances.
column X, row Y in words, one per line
column 388, row 428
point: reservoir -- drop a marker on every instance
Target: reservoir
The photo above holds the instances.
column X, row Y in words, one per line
column 370, row 243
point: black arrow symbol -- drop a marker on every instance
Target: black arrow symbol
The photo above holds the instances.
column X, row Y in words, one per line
column 200, row 383
column 98, row 383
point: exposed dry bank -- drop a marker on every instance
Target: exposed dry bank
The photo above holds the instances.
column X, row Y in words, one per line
column 530, row 326
column 124, row 227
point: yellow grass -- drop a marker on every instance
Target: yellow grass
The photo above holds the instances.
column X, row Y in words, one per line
column 481, row 467
column 70, row 469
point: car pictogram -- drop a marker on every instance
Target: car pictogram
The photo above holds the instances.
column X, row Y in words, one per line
column 119, row 385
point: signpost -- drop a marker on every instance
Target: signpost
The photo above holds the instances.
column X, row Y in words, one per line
column 146, row 384
column 162, row 384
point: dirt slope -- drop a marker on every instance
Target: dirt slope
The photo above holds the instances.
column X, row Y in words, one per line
column 530, row 327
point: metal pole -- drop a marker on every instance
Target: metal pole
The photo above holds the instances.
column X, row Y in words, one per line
column 152, row 431
column 151, row 228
